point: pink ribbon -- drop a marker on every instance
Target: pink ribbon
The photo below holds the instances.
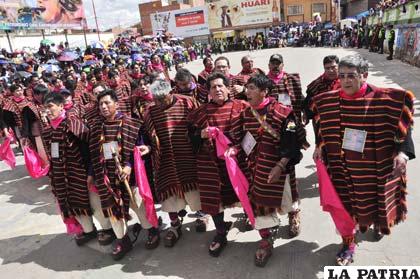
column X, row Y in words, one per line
column 57, row 121
column 237, row 178
column 144, row 188
column 34, row 163
column 330, row 202
column 276, row 78
column 6, row 153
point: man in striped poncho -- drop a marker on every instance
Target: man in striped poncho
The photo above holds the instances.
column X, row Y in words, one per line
column 363, row 135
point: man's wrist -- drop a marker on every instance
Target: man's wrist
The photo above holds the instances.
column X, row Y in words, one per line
column 404, row 156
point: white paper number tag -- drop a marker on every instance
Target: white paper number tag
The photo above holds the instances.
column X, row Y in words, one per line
column 284, row 99
column 248, row 143
column 108, row 147
column 354, row 140
column 55, row 153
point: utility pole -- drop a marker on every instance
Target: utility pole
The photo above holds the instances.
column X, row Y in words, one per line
column 8, row 39
column 96, row 20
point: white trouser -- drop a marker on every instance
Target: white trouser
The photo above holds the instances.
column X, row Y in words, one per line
column 287, row 205
column 120, row 226
column 176, row 204
column 87, row 221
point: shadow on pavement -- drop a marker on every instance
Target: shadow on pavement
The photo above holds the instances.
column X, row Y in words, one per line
column 23, row 189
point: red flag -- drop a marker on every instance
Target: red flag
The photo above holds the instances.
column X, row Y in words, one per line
column 6, row 153
column 144, row 188
column 330, row 202
column 34, row 163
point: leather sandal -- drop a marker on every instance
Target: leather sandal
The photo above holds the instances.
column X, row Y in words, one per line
column 173, row 235
column 122, row 247
column 294, row 223
column 345, row 256
column 263, row 253
column 106, row 237
column 218, row 244
column 84, row 238
column 153, row 240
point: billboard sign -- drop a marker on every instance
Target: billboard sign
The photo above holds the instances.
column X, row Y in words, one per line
column 182, row 23
column 42, row 14
column 228, row 14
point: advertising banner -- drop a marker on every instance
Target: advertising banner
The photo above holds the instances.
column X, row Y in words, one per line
column 42, row 14
column 228, row 14
column 182, row 23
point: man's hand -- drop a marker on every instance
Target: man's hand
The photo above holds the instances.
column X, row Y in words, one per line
column 205, row 133
column 125, row 173
column 400, row 165
column 90, row 180
column 317, row 154
column 231, row 151
column 25, row 142
column 238, row 88
column 275, row 173
column 144, row 149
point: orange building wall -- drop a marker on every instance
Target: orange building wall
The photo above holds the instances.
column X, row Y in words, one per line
column 306, row 16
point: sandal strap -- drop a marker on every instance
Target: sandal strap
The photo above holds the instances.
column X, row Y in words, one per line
column 174, row 230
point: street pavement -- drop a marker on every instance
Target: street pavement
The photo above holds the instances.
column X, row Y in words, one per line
column 33, row 243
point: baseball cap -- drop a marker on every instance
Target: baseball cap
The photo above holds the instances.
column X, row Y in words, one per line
column 276, row 59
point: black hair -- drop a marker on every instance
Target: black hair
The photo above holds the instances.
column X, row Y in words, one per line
column 183, row 75
column 107, row 92
column 41, row 89
column 54, row 98
column 330, row 59
column 215, row 76
column 70, row 85
column 15, row 87
column 113, row 73
column 262, row 82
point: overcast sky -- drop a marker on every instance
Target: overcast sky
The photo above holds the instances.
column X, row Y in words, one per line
column 112, row 13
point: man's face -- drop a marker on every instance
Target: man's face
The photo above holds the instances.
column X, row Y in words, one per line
column 97, row 90
column 331, row 70
column 350, row 80
column 68, row 100
column 144, row 87
column 18, row 92
column 107, row 106
column 164, row 102
column 275, row 67
column 115, row 80
column 218, row 91
column 247, row 64
column 209, row 64
column 92, row 81
column 254, row 95
column 54, row 110
column 222, row 66
column 183, row 85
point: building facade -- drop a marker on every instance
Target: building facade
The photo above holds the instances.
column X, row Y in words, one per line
column 303, row 10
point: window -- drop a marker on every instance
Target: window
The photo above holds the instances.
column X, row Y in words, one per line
column 318, row 8
column 295, row 10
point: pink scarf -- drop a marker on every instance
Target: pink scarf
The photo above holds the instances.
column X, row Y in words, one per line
column 330, row 202
column 262, row 105
column 358, row 94
column 237, row 178
column 276, row 78
column 57, row 121
column 157, row 67
column 18, row 99
column 144, row 188
column 68, row 106
column 34, row 163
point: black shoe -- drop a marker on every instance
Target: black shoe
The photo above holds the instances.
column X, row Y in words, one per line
column 106, row 237
column 389, row 58
column 122, row 247
column 84, row 238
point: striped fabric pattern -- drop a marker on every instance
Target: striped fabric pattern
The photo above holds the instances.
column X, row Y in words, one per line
column 203, row 92
column 214, row 185
column 364, row 182
column 174, row 164
column 290, row 84
column 317, row 86
column 68, row 173
column 130, row 129
column 16, row 109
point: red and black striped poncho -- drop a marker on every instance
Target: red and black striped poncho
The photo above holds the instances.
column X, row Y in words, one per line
column 68, row 173
column 128, row 129
column 135, row 106
column 14, row 108
column 266, row 197
column 203, row 92
column 214, row 184
column 290, row 84
column 364, row 181
column 174, row 164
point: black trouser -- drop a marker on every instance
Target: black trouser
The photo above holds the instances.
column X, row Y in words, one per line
column 391, row 49
column 381, row 46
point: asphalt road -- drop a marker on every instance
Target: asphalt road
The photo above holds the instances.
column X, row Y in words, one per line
column 33, row 243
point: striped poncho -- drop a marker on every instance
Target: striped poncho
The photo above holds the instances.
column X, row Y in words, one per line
column 364, row 181
column 214, row 184
column 68, row 172
column 174, row 164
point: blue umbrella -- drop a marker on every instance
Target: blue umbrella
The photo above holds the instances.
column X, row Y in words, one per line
column 96, row 44
column 50, row 68
column 3, row 62
column 52, row 61
column 137, row 57
column 90, row 62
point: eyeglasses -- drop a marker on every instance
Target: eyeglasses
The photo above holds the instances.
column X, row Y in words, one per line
column 348, row 75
